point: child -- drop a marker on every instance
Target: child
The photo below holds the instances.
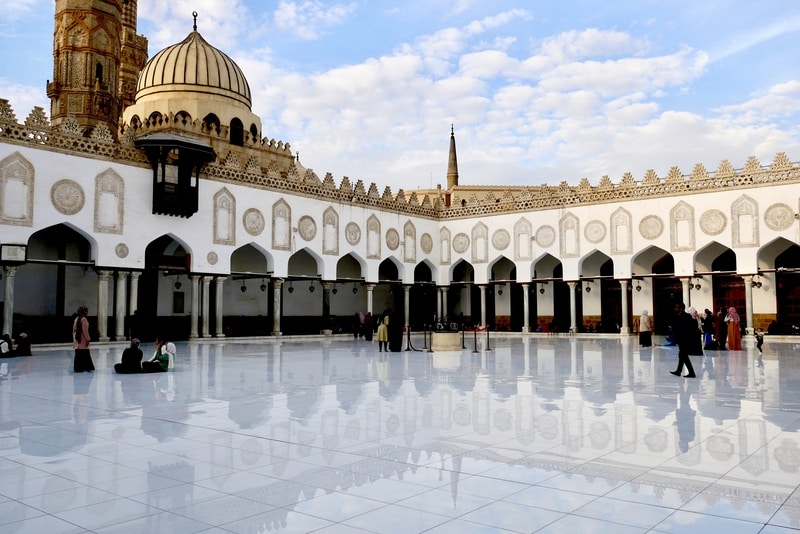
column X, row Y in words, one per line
column 759, row 339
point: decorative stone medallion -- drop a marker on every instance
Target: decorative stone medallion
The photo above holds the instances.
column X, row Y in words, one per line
column 500, row 239
column 67, row 196
column 254, row 221
column 651, row 227
column 545, row 236
column 595, row 231
column 122, row 250
column 307, row 228
column 212, row 258
column 779, row 217
column 392, row 239
column 352, row 233
column 461, row 243
column 713, row 222
column 426, row 243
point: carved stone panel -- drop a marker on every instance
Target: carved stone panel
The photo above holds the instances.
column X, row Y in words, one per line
column 569, row 235
column 460, row 242
column 224, row 218
column 444, row 246
column 523, row 232
column 681, row 227
column 67, row 196
column 779, row 217
column 594, row 231
column 651, row 227
column 426, row 243
column 392, row 239
column 352, row 233
column 330, row 232
column 744, row 222
column 307, row 228
column 254, row 222
column 501, row 239
column 621, row 232
column 410, row 242
column 545, row 236
column 373, row 238
column 480, row 243
column 109, row 202
column 16, row 190
column 713, row 222
column 281, row 225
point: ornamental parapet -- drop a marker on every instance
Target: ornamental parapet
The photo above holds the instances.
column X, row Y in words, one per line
column 269, row 164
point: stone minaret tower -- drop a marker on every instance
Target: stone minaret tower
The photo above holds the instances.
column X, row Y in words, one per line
column 452, row 163
column 133, row 55
column 86, row 63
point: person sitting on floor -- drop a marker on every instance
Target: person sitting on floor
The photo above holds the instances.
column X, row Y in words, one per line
column 159, row 363
column 6, row 349
column 23, row 345
column 131, row 359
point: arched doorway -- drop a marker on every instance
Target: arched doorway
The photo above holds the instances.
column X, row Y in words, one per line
column 165, row 290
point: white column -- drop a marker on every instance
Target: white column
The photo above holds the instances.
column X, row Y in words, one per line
column 572, row 307
column 687, row 299
column 119, row 311
column 748, row 302
column 195, row 306
column 526, row 307
column 370, row 289
column 102, row 304
column 8, row 304
column 407, row 293
column 444, row 301
column 483, row 305
column 218, row 285
column 133, row 301
column 205, row 300
column 625, row 328
column 277, row 291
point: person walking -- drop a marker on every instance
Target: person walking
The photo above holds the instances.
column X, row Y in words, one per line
column 645, row 330
column 734, row 329
column 708, row 329
column 687, row 336
column 80, row 342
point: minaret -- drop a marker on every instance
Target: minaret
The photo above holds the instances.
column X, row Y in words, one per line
column 133, row 55
column 86, row 49
column 452, row 163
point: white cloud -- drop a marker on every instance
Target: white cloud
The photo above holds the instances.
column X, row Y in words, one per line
column 310, row 19
column 23, row 98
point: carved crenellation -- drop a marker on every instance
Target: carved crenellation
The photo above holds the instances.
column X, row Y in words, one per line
column 269, row 164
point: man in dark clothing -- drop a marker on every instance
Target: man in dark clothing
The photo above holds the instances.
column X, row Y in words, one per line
column 687, row 336
column 131, row 359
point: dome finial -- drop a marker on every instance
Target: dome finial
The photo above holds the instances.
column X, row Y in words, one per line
column 194, row 14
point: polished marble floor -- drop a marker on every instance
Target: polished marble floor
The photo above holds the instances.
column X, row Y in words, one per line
column 537, row 434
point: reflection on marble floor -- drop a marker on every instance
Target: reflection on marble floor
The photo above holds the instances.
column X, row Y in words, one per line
column 538, row 434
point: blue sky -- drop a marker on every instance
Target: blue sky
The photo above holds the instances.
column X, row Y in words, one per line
column 538, row 91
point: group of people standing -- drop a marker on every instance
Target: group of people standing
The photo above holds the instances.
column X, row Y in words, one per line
column 161, row 361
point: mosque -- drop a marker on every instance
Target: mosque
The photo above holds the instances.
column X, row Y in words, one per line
column 152, row 195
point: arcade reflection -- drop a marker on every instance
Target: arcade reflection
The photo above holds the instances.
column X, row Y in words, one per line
column 532, row 433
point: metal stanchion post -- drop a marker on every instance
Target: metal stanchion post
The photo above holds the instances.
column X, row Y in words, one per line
column 424, row 336
column 474, row 340
column 430, row 349
column 463, row 346
column 488, row 348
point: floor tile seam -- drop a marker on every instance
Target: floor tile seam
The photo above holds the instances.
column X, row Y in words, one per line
column 738, row 519
column 109, row 497
column 176, row 511
column 460, row 516
column 595, row 498
column 107, row 525
column 82, row 529
column 671, row 510
column 499, row 530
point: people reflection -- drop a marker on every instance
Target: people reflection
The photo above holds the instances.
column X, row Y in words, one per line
column 684, row 418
